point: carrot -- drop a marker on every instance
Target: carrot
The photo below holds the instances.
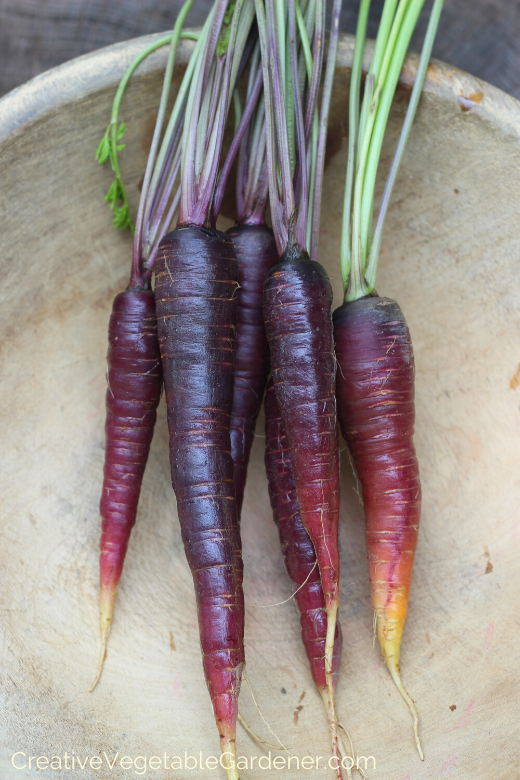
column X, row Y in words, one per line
column 134, row 373
column 195, row 290
column 297, row 548
column 134, row 377
column 255, row 252
column 375, row 392
column 255, row 249
column 297, row 312
column 298, row 297
column 375, row 378
column 196, row 285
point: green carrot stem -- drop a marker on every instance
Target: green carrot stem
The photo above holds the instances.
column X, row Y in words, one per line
column 237, row 106
column 359, row 220
column 383, row 32
column 403, row 138
column 353, row 122
column 306, row 48
column 398, row 40
column 381, row 80
column 387, row 95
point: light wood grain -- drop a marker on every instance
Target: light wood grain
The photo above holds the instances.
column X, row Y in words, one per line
column 451, row 256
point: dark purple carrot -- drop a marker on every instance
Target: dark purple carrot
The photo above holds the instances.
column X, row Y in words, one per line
column 196, row 298
column 297, row 548
column 134, row 372
column 297, row 312
column 255, row 249
column 134, row 377
column 298, row 301
column 196, row 286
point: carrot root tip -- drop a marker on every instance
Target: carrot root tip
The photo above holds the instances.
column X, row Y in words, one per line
column 396, row 677
column 101, row 660
column 229, row 757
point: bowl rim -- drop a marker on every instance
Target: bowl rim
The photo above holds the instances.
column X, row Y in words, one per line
column 73, row 80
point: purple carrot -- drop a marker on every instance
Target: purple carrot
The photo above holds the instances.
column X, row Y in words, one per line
column 196, row 286
column 195, row 291
column 134, row 377
column 298, row 550
column 256, row 253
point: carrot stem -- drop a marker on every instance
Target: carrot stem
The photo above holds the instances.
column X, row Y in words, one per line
column 353, row 126
column 136, row 275
column 403, row 139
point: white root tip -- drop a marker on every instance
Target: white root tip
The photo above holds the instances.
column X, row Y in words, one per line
column 101, row 660
column 328, row 693
column 396, row 677
column 229, row 759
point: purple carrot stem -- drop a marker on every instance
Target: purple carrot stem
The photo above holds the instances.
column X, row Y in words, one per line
column 256, row 216
column 301, row 221
column 317, row 59
column 168, row 221
column 213, row 39
column 237, row 140
column 164, row 190
column 214, row 97
column 211, row 164
column 279, row 228
column 158, row 216
column 322, row 132
column 279, row 113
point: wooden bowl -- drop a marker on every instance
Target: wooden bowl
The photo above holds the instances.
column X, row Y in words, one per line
column 451, row 256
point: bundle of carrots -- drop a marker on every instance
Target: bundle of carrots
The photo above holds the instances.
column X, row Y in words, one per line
column 228, row 309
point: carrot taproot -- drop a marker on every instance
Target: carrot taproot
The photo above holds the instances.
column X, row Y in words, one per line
column 298, row 551
column 134, row 371
column 376, row 374
column 196, row 299
column 297, row 313
column 134, row 377
column 256, row 253
column 298, row 295
column 376, row 410
column 196, row 285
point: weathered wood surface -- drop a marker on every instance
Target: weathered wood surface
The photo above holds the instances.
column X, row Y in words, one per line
column 479, row 36
column 451, row 256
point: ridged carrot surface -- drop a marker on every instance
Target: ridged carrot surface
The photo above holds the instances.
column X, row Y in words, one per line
column 376, row 409
column 297, row 313
column 255, row 249
column 134, row 376
column 298, row 551
column 298, row 322
column 196, row 298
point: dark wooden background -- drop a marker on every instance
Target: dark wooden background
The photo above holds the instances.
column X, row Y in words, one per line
column 479, row 36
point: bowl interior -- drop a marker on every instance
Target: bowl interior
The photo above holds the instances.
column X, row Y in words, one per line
column 451, row 257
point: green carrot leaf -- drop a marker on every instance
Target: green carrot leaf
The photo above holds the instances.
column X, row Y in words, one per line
column 115, row 193
column 223, row 40
column 103, row 150
column 122, row 219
